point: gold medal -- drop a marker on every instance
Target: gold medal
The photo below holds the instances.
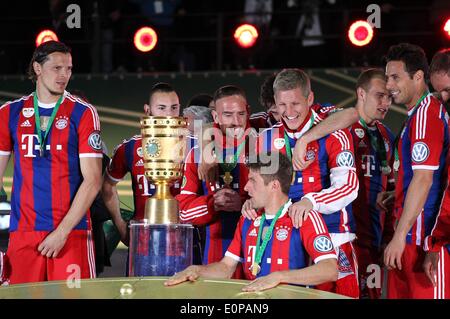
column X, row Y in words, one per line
column 396, row 165
column 228, row 179
column 255, row 269
column 386, row 170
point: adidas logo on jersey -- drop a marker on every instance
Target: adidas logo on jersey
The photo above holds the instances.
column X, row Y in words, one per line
column 253, row 233
column 140, row 162
column 26, row 124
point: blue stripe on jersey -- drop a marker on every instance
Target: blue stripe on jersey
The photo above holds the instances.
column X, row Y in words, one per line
column 229, row 221
column 205, row 258
column 297, row 253
column 265, row 267
column 129, row 154
column 14, row 115
column 268, row 141
column 244, row 232
column 42, row 166
column 75, row 176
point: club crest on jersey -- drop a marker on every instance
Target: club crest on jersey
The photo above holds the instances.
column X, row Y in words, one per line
column 257, row 221
column 95, row 141
column 139, row 152
column 28, row 111
column 153, row 148
column 359, row 132
column 323, row 244
column 310, row 155
column 279, row 143
column 61, row 123
column 345, row 158
column 282, row 234
column 420, row 152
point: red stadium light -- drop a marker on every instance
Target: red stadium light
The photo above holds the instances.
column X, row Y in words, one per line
column 145, row 39
column 360, row 33
column 447, row 27
column 44, row 36
column 246, row 35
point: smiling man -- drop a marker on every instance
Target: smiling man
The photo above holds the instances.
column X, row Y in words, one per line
column 420, row 162
column 55, row 138
column 217, row 205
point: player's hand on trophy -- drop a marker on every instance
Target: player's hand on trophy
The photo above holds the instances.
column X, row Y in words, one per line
column 122, row 227
column 52, row 244
column 248, row 211
column 299, row 212
column 263, row 283
column 189, row 274
column 430, row 265
column 227, row 200
column 394, row 251
column 385, row 201
column 299, row 161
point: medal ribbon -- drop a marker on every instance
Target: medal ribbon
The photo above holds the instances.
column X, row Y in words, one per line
column 41, row 138
column 287, row 145
column 259, row 249
column 228, row 167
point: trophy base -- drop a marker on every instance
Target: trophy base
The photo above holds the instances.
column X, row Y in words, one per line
column 161, row 211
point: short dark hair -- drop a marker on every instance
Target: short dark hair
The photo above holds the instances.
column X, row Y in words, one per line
column 440, row 63
column 411, row 55
column 367, row 75
column 266, row 92
column 282, row 175
column 41, row 53
column 228, row 90
column 201, row 99
column 161, row 87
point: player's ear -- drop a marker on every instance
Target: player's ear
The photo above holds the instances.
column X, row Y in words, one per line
column 37, row 68
column 215, row 116
column 418, row 76
column 310, row 98
column 147, row 110
column 361, row 94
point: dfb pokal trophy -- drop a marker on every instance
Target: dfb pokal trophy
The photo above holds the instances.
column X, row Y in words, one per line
column 159, row 244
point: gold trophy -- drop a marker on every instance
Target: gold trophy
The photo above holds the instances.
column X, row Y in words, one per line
column 163, row 146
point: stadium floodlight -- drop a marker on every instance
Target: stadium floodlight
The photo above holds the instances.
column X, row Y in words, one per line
column 360, row 33
column 447, row 28
column 44, row 36
column 246, row 35
column 145, row 39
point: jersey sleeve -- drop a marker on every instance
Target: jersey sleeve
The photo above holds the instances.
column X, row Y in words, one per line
column 89, row 139
column 316, row 238
column 234, row 250
column 194, row 209
column 5, row 134
column 343, row 178
column 427, row 137
column 117, row 168
column 440, row 234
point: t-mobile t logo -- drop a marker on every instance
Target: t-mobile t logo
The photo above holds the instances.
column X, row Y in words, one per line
column 368, row 164
column 30, row 144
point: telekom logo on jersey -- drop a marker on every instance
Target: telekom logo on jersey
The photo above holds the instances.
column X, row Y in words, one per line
column 368, row 164
column 31, row 144
column 143, row 184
